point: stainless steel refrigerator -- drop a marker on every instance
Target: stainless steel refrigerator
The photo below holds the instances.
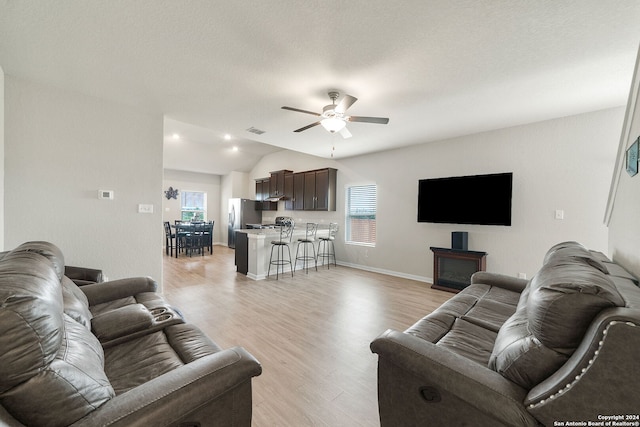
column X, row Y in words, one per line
column 241, row 213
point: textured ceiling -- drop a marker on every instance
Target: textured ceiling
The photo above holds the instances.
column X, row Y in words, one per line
column 437, row 69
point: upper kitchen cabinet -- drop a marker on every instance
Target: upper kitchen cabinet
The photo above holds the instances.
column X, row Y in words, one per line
column 262, row 194
column 298, row 191
column 288, row 191
column 319, row 190
column 276, row 183
column 294, row 191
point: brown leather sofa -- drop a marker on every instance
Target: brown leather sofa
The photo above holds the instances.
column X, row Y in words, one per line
column 109, row 354
column 562, row 347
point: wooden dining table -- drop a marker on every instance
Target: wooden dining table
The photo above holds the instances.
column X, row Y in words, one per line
column 188, row 230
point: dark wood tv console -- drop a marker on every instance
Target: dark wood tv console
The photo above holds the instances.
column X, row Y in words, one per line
column 453, row 268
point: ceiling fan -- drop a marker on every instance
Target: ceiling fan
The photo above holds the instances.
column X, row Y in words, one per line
column 334, row 117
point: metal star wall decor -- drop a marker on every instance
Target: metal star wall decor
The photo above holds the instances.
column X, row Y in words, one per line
column 171, row 193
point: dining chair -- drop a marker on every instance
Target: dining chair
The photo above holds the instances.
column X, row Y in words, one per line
column 208, row 236
column 183, row 234
column 195, row 239
column 170, row 239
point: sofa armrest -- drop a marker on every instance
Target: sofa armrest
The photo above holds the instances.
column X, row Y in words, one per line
column 121, row 322
column 83, row 276
column 500, row 280
column 184, row 395
column 99, row 293
column 479, row 387
column 600, row 376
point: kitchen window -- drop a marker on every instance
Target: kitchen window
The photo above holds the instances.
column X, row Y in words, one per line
column 194, row 205
column 361, row 214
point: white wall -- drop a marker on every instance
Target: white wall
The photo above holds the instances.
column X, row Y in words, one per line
column 624, row 220
column 1, row 159
column 190, row 181
column 60, row 148
column 563, row 164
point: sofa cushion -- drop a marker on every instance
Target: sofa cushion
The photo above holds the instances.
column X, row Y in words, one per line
column 564, row 298
column 599, row 256
column 74, row 382
column 432, row 327
column 30, row 317
column 139, row 360
column 519, row 356
column 469, row 340
column 576, row 252
column 619, row 271
column 553, row 313
column 490, row 314
column 75, row 302
column 47, row 250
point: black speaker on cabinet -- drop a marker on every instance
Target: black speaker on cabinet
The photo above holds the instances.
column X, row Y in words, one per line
column 459, row 240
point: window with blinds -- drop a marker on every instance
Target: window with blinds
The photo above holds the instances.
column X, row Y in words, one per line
column 361, row 214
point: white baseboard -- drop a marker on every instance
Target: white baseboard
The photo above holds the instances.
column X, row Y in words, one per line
column 389, row 272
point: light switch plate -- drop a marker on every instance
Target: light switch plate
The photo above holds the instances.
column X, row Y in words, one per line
column 142, row 208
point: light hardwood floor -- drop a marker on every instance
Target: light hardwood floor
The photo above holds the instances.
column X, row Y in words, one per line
column 311, row 333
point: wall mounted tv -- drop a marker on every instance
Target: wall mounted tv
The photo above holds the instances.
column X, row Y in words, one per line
column 476, row 199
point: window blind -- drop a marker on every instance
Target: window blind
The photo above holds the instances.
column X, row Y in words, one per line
column 361, row 214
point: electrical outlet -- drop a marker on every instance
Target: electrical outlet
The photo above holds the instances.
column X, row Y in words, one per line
column 559, row 214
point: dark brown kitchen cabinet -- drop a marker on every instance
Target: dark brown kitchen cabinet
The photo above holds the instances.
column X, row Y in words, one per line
column 276, row 183
column 294, row 191
column 320, row 190
column 288, row 191
column 298, row 191
column 262, row 194
column 309, row 203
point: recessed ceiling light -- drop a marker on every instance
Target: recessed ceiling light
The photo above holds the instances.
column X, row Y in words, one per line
column 227, row 136
column 235, row 148
column 175, row 136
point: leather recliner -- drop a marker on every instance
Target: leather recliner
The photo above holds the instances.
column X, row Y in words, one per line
column 97, row 355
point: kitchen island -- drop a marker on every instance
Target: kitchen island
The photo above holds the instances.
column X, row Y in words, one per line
column 253, row 249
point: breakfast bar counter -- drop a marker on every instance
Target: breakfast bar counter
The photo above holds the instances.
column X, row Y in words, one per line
column 253, row 249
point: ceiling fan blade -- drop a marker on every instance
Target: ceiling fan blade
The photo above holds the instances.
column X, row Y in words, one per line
column 300, row 111
column 345, row 103
column 362, row 119
column 345, row 133
column 307, row 127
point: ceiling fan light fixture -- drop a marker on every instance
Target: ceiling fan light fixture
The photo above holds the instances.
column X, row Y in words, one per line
column 333, row 124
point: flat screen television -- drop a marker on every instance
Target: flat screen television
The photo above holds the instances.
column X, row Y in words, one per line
column 475, row 199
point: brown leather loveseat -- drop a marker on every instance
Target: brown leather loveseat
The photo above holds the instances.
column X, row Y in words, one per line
column 560, row 349
column 107, row 354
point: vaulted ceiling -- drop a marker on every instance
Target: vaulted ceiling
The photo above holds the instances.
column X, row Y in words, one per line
column 437, row 68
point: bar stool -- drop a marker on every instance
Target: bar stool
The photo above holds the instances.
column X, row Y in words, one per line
column 309, row 239
column 326, row 248
column 286, row 230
